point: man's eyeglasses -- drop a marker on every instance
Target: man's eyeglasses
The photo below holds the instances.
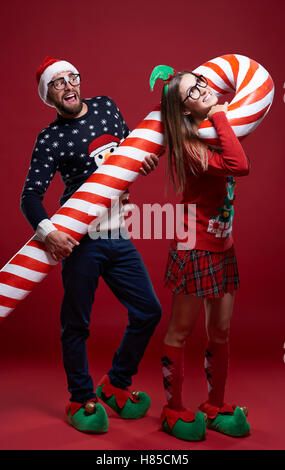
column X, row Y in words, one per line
column 194, row 93
column 61, row 82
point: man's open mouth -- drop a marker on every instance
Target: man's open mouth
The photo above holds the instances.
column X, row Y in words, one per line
column 70, row 98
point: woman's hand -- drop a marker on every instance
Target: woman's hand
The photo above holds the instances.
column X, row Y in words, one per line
column 149, row 164
column 60, row 244
column 218, row 108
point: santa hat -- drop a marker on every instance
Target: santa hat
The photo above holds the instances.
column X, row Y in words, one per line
column 104, row 140
column 47, row 70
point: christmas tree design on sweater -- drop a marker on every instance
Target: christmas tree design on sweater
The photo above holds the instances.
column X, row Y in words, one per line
column 221, row 225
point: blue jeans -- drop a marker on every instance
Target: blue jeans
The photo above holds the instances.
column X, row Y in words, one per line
column 122, row 268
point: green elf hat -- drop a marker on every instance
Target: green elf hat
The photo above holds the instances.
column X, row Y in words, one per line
column 164, row 72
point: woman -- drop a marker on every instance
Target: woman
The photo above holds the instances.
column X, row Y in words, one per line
column 207, row 273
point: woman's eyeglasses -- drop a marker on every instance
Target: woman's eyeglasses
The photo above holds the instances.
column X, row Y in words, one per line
column 194, row 92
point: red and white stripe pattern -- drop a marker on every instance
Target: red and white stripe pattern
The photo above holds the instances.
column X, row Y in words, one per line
column 32, row 263
column 254, row 91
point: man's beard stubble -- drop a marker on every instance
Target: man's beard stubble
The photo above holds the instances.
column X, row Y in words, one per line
column 72, row 111
column 61, row 108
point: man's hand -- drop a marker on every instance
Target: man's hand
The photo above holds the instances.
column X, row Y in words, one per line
column 60, row 244
column 149, row 164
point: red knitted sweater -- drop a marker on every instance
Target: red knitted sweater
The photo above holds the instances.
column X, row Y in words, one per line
column 213, row 190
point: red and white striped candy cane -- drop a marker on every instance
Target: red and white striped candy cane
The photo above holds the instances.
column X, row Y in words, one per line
column 32, row 263
column 254, row 91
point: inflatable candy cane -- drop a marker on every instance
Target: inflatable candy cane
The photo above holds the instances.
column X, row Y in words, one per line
column 32, row 263
column 254, row 91
column 254, row 95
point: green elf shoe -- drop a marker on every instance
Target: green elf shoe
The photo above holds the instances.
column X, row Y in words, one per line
column 128, row 405
column 183, row 424
column 229, row 419
column 89, row 417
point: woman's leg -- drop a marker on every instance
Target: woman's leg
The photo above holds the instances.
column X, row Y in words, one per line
column 218, row 317
column 221, row 417
column 177, row 420
column 184, row 313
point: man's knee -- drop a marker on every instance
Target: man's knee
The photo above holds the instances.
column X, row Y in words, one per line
column 73, row 330
column 156, row 310
column 148, row 314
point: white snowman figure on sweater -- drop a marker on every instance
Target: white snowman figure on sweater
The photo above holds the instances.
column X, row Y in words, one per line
column 101, row 149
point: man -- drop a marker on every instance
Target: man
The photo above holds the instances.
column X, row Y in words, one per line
column 83, row 135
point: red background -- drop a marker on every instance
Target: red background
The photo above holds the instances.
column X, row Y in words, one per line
column 115, row 46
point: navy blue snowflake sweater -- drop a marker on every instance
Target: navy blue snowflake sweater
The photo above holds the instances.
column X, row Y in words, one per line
column 75, row 148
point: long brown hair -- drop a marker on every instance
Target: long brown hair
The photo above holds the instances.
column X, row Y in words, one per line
column 186, row 152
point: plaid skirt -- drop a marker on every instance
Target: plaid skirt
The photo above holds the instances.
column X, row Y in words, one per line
column 201, row 273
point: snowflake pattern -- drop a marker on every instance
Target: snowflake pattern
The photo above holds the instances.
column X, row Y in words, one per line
column 63, row 147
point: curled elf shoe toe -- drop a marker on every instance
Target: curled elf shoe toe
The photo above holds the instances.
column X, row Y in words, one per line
column 129, row 405
column 89, row 417
column 183, row 424
column 228, row 419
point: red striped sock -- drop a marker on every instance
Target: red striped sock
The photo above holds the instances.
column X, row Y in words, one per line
column 173, row 375
column 216, row 368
